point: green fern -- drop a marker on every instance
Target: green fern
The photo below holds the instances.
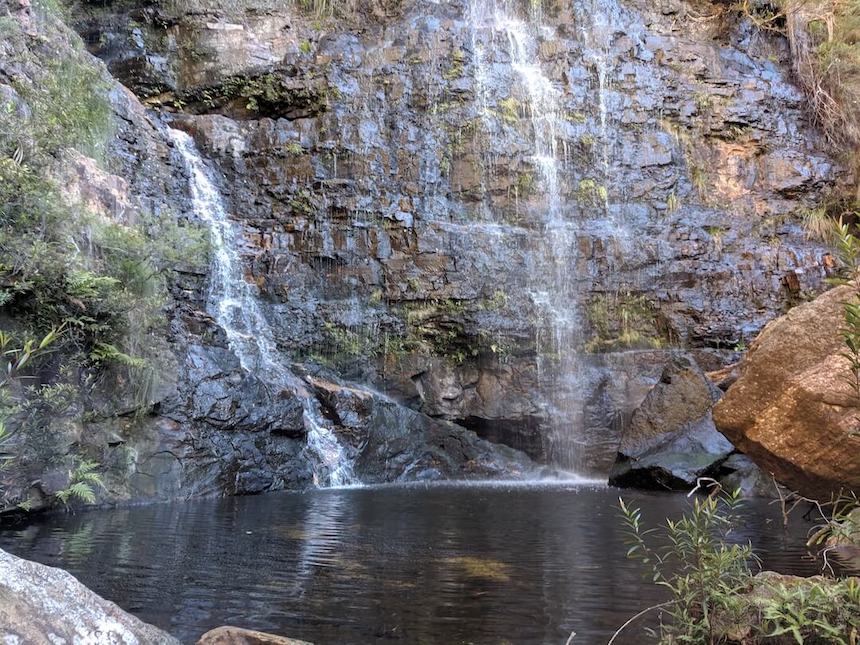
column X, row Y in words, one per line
column 84, row 481
column 108, row 353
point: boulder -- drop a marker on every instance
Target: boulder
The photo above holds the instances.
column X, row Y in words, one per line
column 792, row 409
column 739, row 472
column 671, row 440
column 238, row 636
column 40, row 604
column 390, row 442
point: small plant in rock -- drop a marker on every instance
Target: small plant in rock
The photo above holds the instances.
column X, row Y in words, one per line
column 817, row 224
column 83, row 481
column 814, row 612
column 14, row 361
column 714, row 598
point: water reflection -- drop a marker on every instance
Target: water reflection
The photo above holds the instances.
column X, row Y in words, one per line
column 415, row 564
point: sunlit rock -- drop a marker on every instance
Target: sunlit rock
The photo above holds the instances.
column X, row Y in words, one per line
column 40, row 604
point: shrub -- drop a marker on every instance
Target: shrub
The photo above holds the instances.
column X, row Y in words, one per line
column 703, row 572
column 714, row 596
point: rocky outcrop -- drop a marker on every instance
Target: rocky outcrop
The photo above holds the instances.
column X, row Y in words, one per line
column 239, row 636
column 40, row 604
column 393, row 443
column 671, row 440
column 199, row 423
column 792, row 408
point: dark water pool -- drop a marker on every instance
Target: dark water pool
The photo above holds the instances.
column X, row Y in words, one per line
column 412, row 564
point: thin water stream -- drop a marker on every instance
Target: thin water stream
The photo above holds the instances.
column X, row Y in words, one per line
column 499, row 26
column 233, row 303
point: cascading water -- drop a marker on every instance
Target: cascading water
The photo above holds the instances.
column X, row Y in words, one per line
column 551, row 286
column 233, row 304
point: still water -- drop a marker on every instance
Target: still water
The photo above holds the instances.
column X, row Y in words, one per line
column 449, row 564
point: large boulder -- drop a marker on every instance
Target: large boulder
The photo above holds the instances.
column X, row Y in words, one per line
column 40, row 604
column 792, row 409
column 671, row 440
column 390, row 442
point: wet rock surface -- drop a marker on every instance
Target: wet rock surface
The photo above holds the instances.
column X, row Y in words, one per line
column 388, row 207
column 792, row 408
column 40, row 604
column 671, row 440
column 392, row 443
column 205, row 425
column 389, row 198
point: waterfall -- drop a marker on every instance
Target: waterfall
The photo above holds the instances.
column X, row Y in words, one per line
column 551, row 282
column 233, row 303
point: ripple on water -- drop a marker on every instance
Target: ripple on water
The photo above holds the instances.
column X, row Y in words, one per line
column 429, row 563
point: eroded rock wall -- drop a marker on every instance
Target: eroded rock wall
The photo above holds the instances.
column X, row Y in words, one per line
column 200, row 424
column 381, row 164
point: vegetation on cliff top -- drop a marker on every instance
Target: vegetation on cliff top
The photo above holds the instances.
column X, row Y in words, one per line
column 824, row 37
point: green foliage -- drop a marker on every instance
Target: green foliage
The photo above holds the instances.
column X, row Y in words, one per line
column 509, row 110
column 672, row 203
column 714, row 596
column 850, row 332
column 848, row 255
column 592, row 193
column 813, row 612
column 696, row 563
column 346, row 342
column 455, row 71
column 847, row 250
column 107, row 353
column 67, row 106
column 269, row 94
column 319, row 8
column 699, row 179
column 622, row 320
column 817, row 224
column 83, row 483
column 70, row 108
column 498, row 301
column 840, row 522
column 15, row 359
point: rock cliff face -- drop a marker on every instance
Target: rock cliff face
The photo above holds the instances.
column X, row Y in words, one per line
column 381, row 163
column 382, row 166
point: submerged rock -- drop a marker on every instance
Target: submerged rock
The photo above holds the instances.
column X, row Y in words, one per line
column 238, row 636
column 792, row 409
column 671, row 440
column 40, row 604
